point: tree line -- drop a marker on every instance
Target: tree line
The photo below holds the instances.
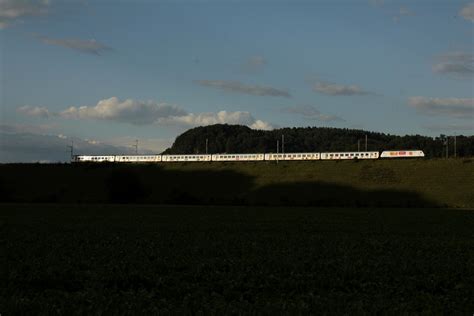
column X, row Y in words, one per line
column 224, row 138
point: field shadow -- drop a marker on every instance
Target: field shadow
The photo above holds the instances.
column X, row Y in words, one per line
column 315, row 193
column 185, row 184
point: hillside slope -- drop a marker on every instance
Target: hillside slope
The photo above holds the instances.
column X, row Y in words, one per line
column 405, row 183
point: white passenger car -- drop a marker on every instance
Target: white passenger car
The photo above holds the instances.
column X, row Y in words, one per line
column 350, row 155
column 86, row 158
column 293, row 156
column 138, row 158
column 238, row 157
column 402, row 154
column 184, row 158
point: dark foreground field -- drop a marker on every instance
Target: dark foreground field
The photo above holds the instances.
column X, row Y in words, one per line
column 64, row 259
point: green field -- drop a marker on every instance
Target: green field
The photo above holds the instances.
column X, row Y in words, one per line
column 380, row 183
column 129, row 259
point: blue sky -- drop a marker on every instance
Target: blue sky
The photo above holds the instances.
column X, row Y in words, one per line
column 108, row 72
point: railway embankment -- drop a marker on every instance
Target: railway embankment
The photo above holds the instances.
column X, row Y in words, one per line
column 380, row 183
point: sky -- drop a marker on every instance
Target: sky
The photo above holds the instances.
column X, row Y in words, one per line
column 105, row 73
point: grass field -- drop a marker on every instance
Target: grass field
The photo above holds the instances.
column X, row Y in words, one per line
column 380, row 183
column 93, row 259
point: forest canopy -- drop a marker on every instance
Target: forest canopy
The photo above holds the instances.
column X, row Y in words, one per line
column 223, row 138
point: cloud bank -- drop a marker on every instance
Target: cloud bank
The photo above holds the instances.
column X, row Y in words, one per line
column 129, row 111
column 221, row 117
column 84, row 46
column 34, row 111
column 334, row 89
column 310, row 112
column 19, row 145
column 13, row 10
column 457, row 64
column 146, row 113
column 454, row 107
column 467, row 12
column 238, row 87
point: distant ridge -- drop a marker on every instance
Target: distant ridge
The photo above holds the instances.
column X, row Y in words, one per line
column 224, row 138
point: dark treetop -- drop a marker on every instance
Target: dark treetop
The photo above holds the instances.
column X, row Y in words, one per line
column 223, row 138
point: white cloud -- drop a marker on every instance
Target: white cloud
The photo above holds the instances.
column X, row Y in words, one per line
column 454, row 107
column 149, row 112
column 12, row 10
column 261, row 125
column 130, row 111
column 457, row 64
column 238, row 87
column 221, row 117
column 84, row 46
column 310, row 112
column 334, row 89
column 467, row 12
column 34, row 111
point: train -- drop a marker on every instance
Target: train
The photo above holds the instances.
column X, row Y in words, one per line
column 388, row 154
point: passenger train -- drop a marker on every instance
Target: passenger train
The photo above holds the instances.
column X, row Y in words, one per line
column 248, row 157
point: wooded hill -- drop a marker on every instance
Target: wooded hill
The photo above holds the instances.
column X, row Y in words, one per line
column 223, row 138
